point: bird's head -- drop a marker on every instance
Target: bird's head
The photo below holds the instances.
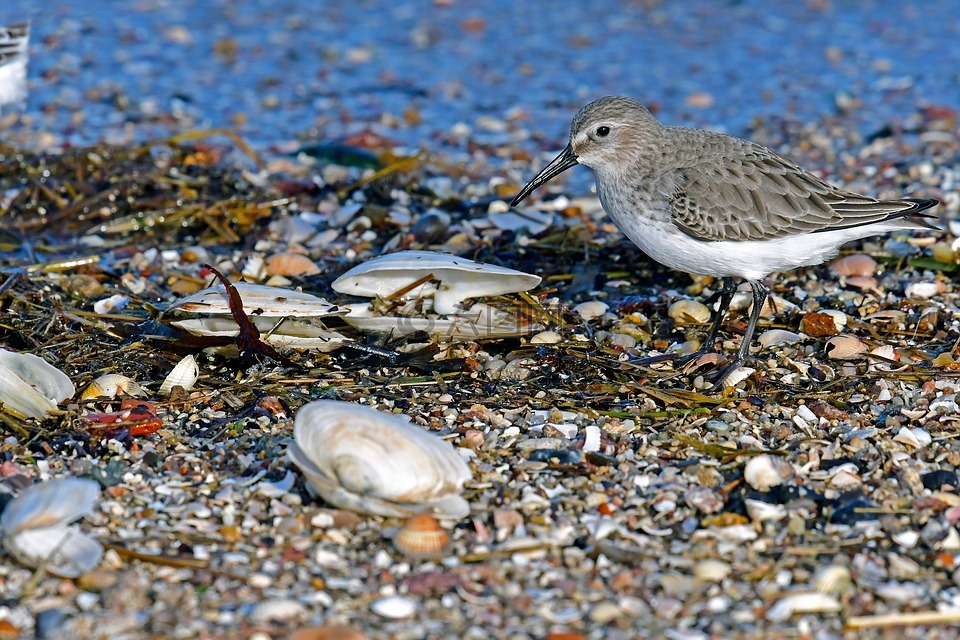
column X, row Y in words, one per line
column 607, row 135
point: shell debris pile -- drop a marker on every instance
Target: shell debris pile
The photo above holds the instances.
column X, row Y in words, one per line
column 467, row 450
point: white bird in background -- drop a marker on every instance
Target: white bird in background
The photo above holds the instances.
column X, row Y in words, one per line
column 13, row 63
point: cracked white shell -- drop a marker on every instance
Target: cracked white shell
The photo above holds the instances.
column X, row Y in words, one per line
column 372, row 462
column 478, row 322
column 282, row 316
column 30, row 387
column 36, row 527
column 449, row 279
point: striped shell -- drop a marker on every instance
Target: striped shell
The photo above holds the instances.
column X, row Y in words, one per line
column 422, row 537
column 844, row 348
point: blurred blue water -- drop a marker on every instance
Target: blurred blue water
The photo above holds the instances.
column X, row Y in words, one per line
column 115, row 69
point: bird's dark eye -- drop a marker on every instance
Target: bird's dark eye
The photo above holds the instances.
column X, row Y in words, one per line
column 603, row 131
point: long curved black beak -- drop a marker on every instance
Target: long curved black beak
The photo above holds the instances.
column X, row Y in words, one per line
column 558, row 165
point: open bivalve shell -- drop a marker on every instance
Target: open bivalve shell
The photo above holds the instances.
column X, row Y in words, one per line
column 419, row 274
column 283, row 316
column 30, row 387
column 36, row 527
column 364, row 460
column 481, row 321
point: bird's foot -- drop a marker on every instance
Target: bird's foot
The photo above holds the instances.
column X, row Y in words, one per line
column 663, row 357
column 728, row 375
column 698, row 360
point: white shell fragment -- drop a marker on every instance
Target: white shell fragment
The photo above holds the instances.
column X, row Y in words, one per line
column 591, row 309
column 394, row 607
column 285, row 318
column 449, row 279
column 802, row 603
column 29, row 386
column 184, row 375
column 361, row 459
column 113, row 303
column 109, row 385
column 766, row 471
column 534, row 221
column 36, row 527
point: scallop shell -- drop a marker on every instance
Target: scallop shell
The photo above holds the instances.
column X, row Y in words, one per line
column 422, row 537
column 689, row 311
column 30, row 387
column 36, row 528
column 855, row 265
column 361, row 459
column 449, row 279
column 184, row 375
column 109, row 385
column 766, row 471
column 737, row 376
column 291, row 264
column 844, row 348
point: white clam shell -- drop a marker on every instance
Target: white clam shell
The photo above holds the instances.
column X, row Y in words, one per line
column 258, row 300
column 36, row 528
column 109, row 385
column 283, row 316
column 29, row 386
column 361, row 459
column 184, row 375
column 450, row 279
column 777, row 337
column 292, row 334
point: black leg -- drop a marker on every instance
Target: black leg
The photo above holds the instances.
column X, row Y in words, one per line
column 726, row 296
column 728, row 290
column 759, row 299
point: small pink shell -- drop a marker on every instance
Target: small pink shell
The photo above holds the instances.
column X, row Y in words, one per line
column 844, row 348
column 856, row 265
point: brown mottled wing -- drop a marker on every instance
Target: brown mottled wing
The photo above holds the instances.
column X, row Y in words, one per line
column 753, row 193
